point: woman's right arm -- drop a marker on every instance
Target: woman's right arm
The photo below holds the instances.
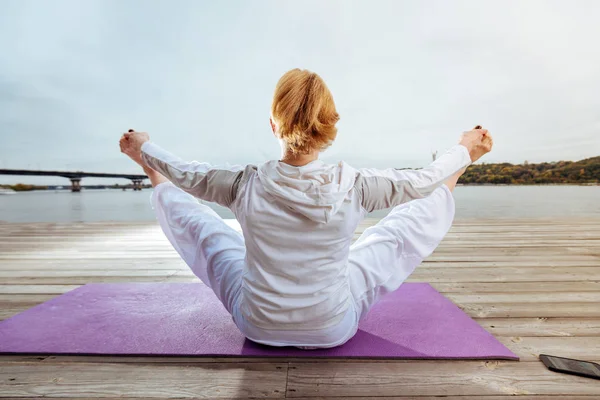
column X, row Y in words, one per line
column 380, row 189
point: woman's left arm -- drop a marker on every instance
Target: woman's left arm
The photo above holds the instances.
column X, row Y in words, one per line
column 201, row 180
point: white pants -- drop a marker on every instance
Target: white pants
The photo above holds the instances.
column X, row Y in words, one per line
column 379, row 262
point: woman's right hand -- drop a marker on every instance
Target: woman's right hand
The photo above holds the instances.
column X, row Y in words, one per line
column 478, row 141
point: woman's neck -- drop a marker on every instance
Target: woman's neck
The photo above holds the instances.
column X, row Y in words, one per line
column 297, row 160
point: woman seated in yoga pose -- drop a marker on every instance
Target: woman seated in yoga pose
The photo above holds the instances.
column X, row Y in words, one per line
column 294, row 278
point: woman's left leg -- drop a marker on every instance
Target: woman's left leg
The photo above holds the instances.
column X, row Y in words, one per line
column 387, row 253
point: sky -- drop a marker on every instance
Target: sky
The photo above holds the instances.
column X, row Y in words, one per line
column 408, row 77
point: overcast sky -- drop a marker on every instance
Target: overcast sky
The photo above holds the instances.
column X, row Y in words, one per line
column 407, row 77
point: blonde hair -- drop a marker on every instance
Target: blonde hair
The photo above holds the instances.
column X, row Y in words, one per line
column 304, row 112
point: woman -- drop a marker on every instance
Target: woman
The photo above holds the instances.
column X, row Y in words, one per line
column 294, row 278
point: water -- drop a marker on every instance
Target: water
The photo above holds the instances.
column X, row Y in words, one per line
column 471, row 202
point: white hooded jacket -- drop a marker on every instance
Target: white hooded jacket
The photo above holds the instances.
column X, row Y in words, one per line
column 298, row 224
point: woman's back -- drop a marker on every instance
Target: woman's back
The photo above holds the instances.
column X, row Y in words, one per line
column 298, row 224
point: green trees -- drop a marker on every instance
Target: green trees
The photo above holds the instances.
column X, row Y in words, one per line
column 578, row 172
column 21, row 187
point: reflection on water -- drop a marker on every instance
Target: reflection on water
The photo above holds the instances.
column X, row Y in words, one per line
column 471, row 201
column 76, row 205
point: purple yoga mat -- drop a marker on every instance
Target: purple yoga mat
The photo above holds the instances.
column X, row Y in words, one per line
column 186, row 319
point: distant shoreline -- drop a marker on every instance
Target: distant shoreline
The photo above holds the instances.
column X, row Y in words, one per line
column 66, row 188
column 530, row 184
column 583, row 172
column 561, row 173
column 128, row 188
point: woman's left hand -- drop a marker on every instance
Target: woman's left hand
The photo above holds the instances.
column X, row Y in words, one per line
column 131, row 144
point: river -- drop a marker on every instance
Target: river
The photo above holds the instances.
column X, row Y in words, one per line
column 471, row 202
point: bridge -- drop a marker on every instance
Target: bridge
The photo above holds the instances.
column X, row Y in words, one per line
column 76, row 176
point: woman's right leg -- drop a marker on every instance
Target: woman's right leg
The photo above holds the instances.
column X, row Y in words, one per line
column 214, row 251
column 387, row 253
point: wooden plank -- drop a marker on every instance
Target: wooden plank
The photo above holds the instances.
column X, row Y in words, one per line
column 453, row 238
column 158, row 263
column 86, row 273
column 470, row 235
column 149, row 360
column 465, row 256
column 524, row 226
column 176, row 263
column 36, row 289
column 82, row 280
column 453, row 254
column 541, row 262
column 562, row 252
column 90, row 380
column 509, row 248
column 65, row 265
column 25, row 243
column 529, row 348
column 442, row 287
column 533, row 297
column 561, row 327
column 551, row 226
column 4, row 358
column 520, row 397
column 522, row 245
column 70, row 245
column 125, row 397
column 532, row 310
column 10, row 299
column 469, row 256
column 74, row 255
column 516, row 287
column 39, row 293
column 427, row 378
column 533, row 397
column 574, row 221
column 489, row 275
column 506, row 274
column 469, row 289
column 129, row 227
column 12, row 304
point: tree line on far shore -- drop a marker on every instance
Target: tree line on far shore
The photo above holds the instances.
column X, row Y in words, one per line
column 574, row 172
column 21, row 187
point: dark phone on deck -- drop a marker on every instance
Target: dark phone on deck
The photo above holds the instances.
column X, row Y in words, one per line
column 570, row 366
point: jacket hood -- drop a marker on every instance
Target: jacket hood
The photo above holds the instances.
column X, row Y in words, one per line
column 315, row 190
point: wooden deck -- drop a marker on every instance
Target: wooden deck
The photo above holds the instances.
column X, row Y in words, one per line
column 535, row 284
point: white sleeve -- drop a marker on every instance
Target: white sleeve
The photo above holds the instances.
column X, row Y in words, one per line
column 386, row 188
column 219, row 185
